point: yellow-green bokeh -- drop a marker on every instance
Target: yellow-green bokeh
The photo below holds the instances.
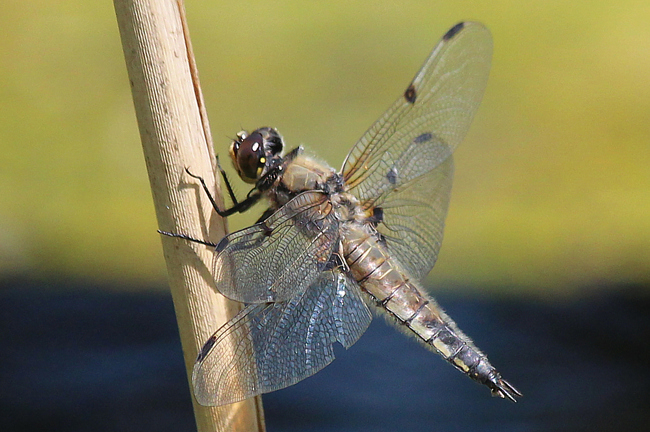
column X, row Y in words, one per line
column 552, row 188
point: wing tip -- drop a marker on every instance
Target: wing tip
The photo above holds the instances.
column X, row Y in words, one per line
column 454, row 31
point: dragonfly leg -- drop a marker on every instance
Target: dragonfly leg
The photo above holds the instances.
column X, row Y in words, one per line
column 227, row 182
column 189, row 238
column 238, row 207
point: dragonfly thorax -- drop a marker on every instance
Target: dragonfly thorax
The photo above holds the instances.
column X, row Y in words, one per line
column 300, row 173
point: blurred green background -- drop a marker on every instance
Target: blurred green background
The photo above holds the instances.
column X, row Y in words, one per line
column 552, row 188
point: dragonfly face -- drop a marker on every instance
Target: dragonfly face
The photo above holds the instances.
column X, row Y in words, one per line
column 253, row 154
column 333, row 244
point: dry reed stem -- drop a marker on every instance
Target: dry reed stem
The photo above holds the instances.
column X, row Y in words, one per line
column 175, row 134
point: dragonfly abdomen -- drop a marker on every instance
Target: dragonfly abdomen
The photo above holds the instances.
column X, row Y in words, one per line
column 381, row 277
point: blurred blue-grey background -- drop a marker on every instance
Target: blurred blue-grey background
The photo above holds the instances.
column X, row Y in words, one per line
column 547, row 242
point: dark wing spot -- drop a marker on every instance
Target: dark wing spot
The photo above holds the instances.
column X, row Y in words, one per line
column 222, row 244
column 336, row 261
column 206, row 348
column 377, row 215
column 267, row 230
column 453, row 31
column 376, row 218
column 410, row 94
column 392, row 175
column 423, row 138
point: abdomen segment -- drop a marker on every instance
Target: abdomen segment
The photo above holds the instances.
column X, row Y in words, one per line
column 410, row 306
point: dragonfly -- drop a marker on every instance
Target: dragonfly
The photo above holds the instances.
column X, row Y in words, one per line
column 334, row 245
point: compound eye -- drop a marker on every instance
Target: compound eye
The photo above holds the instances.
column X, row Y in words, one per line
column 249, row 157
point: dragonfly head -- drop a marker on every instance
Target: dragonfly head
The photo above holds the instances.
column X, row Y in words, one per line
column 253, row 154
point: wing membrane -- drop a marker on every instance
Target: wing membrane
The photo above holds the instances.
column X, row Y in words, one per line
column 277, row 259
column 267, row 347
column 414, row 219
column 407, row 152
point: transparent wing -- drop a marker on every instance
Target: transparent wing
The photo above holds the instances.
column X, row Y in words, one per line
column 267, row 347
column 277, row 259
column 401, row 169
column 414, row 219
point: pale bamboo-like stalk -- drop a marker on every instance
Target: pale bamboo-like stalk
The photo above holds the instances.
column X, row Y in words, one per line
column 175, row 134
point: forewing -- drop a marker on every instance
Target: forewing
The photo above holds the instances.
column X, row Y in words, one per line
column 267, row 347
column 403, row 164
column 277, row 259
